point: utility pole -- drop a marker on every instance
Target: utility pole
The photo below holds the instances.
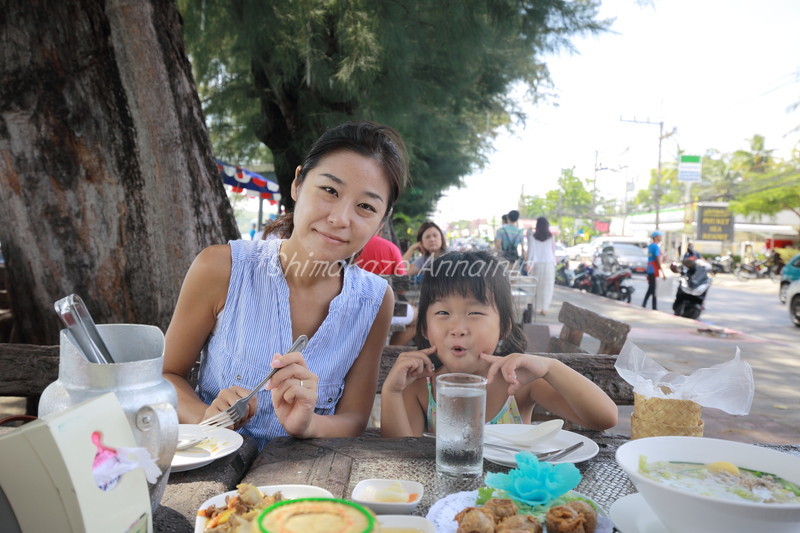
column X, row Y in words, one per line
column 661, row 137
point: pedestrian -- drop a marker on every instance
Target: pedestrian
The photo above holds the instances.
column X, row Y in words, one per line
column 509, row 238
column 252, row 231
column 466, row 324
column 430, row 244
column 243, row 303
column 541, row 262
column 653, row 267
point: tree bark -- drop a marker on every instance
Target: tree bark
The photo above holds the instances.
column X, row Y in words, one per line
column 109, row 185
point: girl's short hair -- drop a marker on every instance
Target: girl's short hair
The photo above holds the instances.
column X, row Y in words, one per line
column 478, row 274
column 370, row 139
column 425, row 226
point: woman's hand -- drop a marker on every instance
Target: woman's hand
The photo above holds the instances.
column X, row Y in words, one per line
column 294, row 392
column 517, row 369
column 409, row 367
column 228, row 397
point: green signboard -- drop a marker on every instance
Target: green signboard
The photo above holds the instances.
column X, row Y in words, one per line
column 689, row 168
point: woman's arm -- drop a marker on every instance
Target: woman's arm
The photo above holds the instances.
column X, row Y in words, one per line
column 411, row 268
column 355, row 405
column 202, row 297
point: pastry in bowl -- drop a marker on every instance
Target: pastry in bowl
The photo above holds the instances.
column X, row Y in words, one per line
column 316, row 515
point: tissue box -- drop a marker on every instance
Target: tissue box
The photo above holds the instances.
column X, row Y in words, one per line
column 656, row 417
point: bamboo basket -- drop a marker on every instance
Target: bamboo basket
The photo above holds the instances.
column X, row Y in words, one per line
column 654, row 417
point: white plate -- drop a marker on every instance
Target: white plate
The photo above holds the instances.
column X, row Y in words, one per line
column 220, row 442
column 562, row 439
column 631, row 514
column 289, row 492
column 442, row 512
column 398, row 521
column 524, row 434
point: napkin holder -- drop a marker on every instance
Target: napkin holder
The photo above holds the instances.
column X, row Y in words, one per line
column 46, row 476
column 657, row 417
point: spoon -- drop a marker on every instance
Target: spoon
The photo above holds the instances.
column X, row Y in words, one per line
column 185, row 444
column 527, row 437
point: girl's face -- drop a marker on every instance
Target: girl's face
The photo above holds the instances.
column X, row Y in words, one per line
column 462, row 328
column 340, row 205
column 431, row 240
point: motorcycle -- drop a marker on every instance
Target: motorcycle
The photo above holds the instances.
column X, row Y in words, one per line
column 692, row 289
column 757, row 270
column 610, row 279
column 583, row 277
column 722, row 264
column 564, row 275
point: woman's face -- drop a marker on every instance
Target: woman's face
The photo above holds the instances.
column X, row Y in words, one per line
column 431, row 240
column 340, row 205
column 462, row 328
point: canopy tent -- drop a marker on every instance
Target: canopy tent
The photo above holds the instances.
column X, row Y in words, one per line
column 240, row 179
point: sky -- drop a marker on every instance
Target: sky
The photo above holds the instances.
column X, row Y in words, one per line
column 715, row 71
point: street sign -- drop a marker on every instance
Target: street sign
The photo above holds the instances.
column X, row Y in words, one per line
column 714, row 223
column 689, row 168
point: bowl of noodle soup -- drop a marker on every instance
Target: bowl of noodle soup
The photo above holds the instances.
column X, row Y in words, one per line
column 702, row 484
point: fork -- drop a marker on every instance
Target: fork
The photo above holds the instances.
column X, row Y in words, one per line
column 235, row 412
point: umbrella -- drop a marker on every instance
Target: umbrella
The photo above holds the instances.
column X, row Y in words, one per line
column 240, row 179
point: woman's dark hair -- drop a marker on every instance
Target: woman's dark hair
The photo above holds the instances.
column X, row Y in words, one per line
column 481, row 275
column 379, row 142
column 542, row 232
column 425, row 226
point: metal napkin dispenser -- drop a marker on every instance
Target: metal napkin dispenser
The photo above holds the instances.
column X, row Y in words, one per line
column 50, row 471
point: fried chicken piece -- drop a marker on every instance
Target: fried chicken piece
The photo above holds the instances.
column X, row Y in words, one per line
column 475, row 520
column 563, row 519
column 588, row 513
column 501, row 508
column 519, row 523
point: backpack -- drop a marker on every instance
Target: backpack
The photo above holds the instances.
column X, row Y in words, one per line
column 510, row 238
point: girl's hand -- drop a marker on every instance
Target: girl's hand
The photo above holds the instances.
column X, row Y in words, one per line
column 228, row 397
column 517, row 369
column 294, row 392
column 409, row 367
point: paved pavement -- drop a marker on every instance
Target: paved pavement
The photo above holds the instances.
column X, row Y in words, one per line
column 678, row 345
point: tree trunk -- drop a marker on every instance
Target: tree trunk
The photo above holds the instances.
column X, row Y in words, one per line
column 109, row 186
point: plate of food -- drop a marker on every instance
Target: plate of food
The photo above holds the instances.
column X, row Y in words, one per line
column 562, row 439
column 564, row 514
column 216, row 443
column 229, row 510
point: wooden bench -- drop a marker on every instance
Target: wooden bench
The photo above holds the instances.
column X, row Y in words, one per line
column 576, row 321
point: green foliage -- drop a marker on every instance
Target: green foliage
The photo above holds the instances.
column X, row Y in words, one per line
column 563, row 206
column 440, row 72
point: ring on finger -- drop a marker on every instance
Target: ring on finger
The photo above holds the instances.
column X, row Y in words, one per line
column 301, row 383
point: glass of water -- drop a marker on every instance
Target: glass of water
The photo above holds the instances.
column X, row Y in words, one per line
column 460, row 416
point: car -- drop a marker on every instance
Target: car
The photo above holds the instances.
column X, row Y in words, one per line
column 580, row 251
column 561, row 252
column 793, row 302
column 631, row 256
column 790, row 273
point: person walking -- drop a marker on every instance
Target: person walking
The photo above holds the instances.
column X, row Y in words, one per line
column 509, row 238
column 541, row 262
column 653, row 268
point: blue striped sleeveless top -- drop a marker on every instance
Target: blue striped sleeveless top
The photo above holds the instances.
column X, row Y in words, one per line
column 255, row 324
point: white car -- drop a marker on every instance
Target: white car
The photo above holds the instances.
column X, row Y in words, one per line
column 580, row 251
column 561, row 252
column 793, row 301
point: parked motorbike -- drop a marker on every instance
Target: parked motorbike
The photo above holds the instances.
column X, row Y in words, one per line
column 757, row 270
column 722, row 264
column 610, row 279
column 583, row 277
column 692, row 289
column 564, row 275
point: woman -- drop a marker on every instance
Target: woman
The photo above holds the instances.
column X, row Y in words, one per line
column 243, row 303
column 430, row 243
column 542, row 262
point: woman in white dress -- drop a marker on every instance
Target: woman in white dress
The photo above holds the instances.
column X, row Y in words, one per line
column 542, row 263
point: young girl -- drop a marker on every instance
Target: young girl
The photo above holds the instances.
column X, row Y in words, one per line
column 466, row 321
column 243, row 303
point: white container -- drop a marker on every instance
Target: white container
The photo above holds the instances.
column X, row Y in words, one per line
column 460, row 417
column 682, row 512
column 364, row 493
column 149, row 401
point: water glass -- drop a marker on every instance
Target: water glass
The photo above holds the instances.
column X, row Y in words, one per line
column 460, row 416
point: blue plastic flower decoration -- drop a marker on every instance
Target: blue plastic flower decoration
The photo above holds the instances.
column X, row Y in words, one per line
column 533, row 482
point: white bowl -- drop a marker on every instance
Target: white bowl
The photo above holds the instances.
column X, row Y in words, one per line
column 423, row 525
column 686, row 513
column 361, row 494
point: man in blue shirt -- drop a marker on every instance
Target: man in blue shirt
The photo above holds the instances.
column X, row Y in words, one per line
column 653, row 267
